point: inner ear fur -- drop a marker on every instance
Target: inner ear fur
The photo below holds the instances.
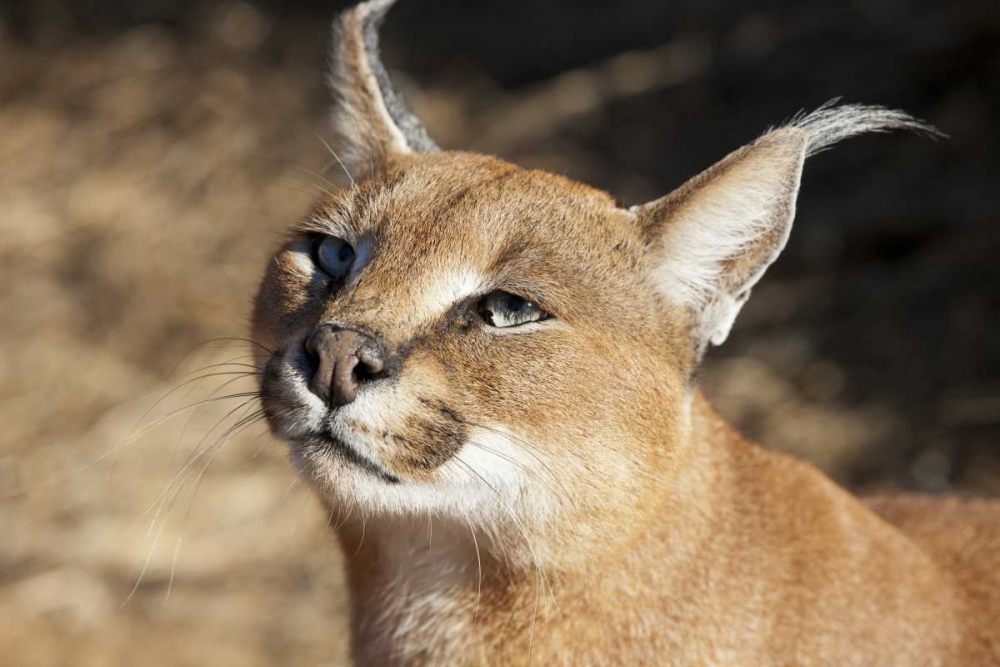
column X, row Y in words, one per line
column 370, row 119
column 712, row 239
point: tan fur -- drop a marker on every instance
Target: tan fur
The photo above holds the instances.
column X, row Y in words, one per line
column 565, row 494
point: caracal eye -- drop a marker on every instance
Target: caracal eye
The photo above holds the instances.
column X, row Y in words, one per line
column 335, row 257
column 503, row 309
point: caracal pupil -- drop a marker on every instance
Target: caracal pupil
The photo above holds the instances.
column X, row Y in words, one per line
column 488, row 372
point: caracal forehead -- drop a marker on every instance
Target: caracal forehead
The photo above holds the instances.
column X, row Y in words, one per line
column 464, row 203
column 432, row 231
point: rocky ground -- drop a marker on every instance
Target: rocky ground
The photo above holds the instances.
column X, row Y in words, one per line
column 147, row 168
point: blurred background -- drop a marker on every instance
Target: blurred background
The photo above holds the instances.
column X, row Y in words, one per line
column 151, row 153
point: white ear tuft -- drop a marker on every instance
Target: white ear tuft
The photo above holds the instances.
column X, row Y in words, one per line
column 830, row 124
column 712, row 239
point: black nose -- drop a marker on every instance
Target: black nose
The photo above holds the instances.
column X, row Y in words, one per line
column 343, row 359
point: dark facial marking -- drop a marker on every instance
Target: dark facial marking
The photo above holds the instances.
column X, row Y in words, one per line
column 431, row 440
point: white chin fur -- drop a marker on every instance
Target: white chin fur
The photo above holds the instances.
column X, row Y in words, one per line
column 485, row 483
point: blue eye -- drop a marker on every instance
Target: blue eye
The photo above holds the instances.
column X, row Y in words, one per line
column 335, row 257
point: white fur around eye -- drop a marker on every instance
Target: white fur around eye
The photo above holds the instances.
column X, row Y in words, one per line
column 449, row 288
column 301, row 257
column 550, row 324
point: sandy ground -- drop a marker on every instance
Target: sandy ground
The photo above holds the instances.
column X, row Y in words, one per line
column 144, row 180
column 142, row 191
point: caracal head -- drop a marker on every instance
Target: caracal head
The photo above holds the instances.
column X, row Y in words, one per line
column 459, row 337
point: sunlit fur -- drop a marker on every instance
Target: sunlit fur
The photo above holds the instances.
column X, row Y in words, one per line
column 561, row 493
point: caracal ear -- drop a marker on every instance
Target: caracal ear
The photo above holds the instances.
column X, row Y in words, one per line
column 370, row 119
column 712, row 239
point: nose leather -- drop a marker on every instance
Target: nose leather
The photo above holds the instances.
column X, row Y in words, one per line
column 344, row 359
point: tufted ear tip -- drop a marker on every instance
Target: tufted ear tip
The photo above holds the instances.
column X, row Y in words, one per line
column 369, row 117
column 830, row 123
column 712, row 239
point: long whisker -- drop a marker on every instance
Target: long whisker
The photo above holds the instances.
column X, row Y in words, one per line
column 526, row 469
column 173, row 413
column 323, row 190
column 541, row 581
column 241, row 425
column 241, row 408
column 501, row 455
column 169, row 495
column 173, row 569
column 337, row 158
column 301, row 192
column 131, row 440
column 242, row 341
column 479, row 564
column 231, row 362
column 472, row 471
column 145, row 566
column 191, row 415
column 196, row 379
column 303, row 501
column 342, row 523
column 235, row 370
column 197, row 453
column 260, row 447
column 319, row 176
column 230, row 433
column 527, row 447
column 329, row 519
column 163, row 505
column 362, row 540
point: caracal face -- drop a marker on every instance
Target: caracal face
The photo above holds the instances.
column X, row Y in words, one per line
column 468, row 416
column 455, row 336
